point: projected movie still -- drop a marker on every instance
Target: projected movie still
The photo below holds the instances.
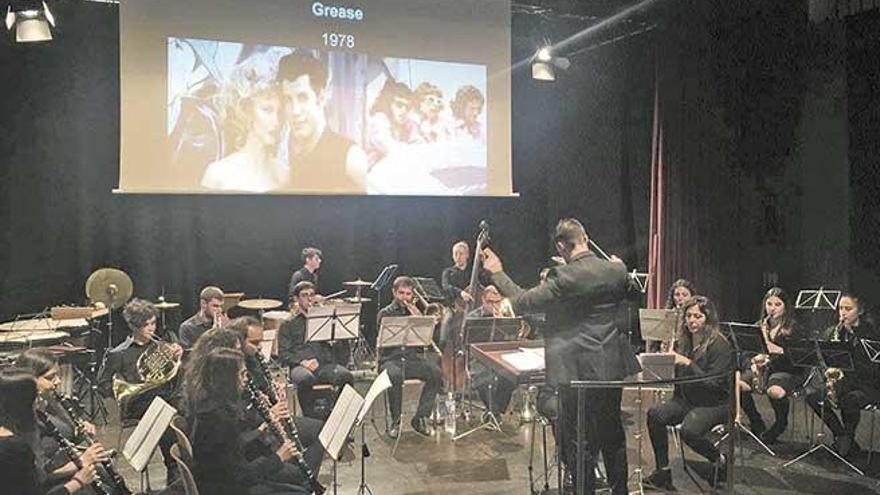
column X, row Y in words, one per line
column 315, row 97
column 259, row 118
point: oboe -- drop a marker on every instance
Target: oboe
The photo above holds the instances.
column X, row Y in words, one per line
column 69, row 450
column 261, row 405
column 105, row 470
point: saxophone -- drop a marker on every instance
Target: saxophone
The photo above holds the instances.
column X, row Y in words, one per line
column 105, row 470
column 262, row 406
column 832, row 377
column 760, row 364
column 69, row 450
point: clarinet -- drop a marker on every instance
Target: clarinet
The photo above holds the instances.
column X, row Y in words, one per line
column 69, row 449
column 289, row 425
column 106, row 472
column 261, row 405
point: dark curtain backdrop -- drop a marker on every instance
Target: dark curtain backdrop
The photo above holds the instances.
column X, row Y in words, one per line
column 863, row 71
column 580, row 148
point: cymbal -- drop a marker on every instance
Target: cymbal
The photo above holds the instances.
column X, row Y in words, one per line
column 357, row 283
column 166, row 305
column 259, row 304
column 109, row 286
column 357, row 299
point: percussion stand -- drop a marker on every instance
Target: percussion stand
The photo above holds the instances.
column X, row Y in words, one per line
column 87, row 380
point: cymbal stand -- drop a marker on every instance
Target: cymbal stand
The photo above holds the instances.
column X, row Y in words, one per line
column 86, row 382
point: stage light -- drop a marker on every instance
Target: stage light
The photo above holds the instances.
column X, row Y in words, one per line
column 544, row 55
column 544, row 65
column 31, row 20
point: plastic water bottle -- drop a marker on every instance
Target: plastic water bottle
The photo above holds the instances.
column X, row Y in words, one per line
column 449, row 420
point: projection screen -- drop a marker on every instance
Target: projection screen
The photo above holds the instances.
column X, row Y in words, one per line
column 380, row 97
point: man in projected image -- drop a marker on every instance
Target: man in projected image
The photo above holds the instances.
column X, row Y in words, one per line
column 320, row 159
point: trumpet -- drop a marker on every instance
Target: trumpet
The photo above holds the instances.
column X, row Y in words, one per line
column 156, row 366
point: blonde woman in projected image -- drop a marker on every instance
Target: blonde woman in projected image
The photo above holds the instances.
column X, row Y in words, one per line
column 252, row 123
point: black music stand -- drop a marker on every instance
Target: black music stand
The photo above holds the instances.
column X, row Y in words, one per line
column 821, row 355
column 401, row 332
column 748, row 341
column 479, row 330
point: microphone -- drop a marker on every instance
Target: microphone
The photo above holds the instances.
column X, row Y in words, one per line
column 484, row 225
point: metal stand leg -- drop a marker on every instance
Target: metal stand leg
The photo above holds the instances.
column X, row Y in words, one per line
column 363, row 488
column 818, row 445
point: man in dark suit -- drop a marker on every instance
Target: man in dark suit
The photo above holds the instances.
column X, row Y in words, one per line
column 584, row 340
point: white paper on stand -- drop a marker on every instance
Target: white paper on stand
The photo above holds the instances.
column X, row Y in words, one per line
column 380, row 384
column 525, row 360
column 143, row 440
column 337, row 427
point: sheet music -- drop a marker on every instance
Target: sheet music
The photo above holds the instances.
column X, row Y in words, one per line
column 143, row 441
column 337, row 427
column 380, row 384
column 525, row 359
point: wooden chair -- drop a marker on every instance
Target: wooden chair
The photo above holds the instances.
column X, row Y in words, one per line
column 189, row 482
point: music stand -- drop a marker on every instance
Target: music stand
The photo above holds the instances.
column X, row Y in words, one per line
column 384, row 277
column 479, row 330
column 872, row 349
column 821, row 355
column 658, row 324
column 747, row 340
column 332, row 323
column 402, row 332
column 817, row 299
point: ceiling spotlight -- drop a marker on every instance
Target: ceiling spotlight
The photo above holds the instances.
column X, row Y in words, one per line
column 544, row 54
column 544, row 65
column 31, row 20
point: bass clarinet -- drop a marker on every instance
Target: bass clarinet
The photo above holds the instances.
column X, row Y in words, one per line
column 262, row 406
column 105, row 470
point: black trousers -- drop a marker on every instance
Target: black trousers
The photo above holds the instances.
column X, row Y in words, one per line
column 417, row 367
column 290, row 474
column 603, row 432
column 695, row 422
column 851, row 402
column 304, row 380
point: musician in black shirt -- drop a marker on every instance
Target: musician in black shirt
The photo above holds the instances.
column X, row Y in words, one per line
column 320, row 159
column 774, row 373
column 43, row 366
column 858, row 387
column 20, row 452
column 215, row 416
column 700, row 349
column 415, row 362
column 584, row 301
column 311, row 259
column 210, row 310
column 122, row 362
column 310, row 363
column 454, row 281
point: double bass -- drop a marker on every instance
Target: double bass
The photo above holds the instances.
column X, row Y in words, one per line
column 453, row 361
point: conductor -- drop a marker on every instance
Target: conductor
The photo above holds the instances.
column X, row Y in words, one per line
column 584, row 340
